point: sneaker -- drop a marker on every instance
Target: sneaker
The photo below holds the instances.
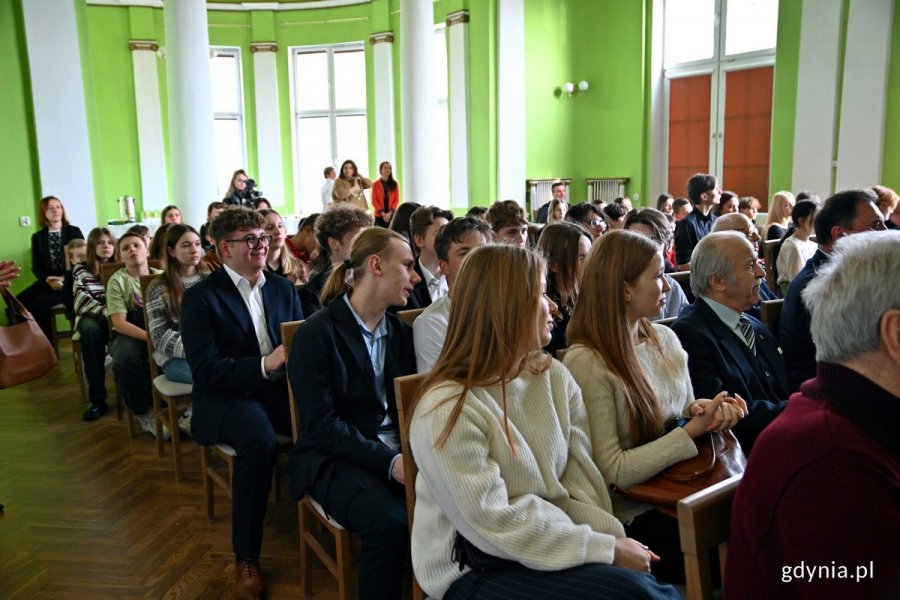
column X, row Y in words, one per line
column 148, row 424
column 184, row 421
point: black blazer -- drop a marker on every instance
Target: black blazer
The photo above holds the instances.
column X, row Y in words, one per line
column 718, row 360
column 40, row 251
column 334, row 387
column 222, row 349
column 794, row 325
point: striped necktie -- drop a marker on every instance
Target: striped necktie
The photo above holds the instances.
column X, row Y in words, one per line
column 748, row 334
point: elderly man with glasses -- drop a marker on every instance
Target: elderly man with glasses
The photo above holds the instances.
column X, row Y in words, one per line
column 231, row 327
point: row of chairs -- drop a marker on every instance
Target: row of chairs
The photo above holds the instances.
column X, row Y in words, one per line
column 703, row 517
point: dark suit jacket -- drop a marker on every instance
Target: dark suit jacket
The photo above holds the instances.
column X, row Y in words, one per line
column 40, row 251
column 222, row 349
column 793, row 328
column 334, row 387
column 311, row 291
column 718, row 360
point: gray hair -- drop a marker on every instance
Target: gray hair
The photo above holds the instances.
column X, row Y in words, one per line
column 731, row 222
column 708, row 260
column 844, row 326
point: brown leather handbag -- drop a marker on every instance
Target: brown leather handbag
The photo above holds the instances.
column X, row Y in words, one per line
column 25, row 352
column 719, row 456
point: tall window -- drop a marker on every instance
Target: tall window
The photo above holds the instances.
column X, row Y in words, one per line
column 719, row 58
column 440, row 138
column 228, row 109
column 329, row 96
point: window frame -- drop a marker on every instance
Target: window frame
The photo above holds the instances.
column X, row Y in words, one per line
column 216, row 51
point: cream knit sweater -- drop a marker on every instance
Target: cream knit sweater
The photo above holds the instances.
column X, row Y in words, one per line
column 614, row 450
column 546, row 506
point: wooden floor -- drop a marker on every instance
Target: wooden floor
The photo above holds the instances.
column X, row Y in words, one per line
column 90, row 513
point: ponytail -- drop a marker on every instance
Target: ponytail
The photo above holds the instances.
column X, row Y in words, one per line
column 336, row 283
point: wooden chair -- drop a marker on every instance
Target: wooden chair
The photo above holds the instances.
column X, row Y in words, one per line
column 703, row 525
column 684, row 280
column 769, row 257
column 310, row 513
column 408, row 316
column 561, row 354
column 176, row 395
column 405, row 390
column 770, row 314
column 59, row 311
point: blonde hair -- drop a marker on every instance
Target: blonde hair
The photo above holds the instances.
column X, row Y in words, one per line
column 287, row 262
column 495, row 297
column 777, row 214
column 599, row 322
column 372, row 241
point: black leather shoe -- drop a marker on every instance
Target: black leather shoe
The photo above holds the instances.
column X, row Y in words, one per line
column 95, row 412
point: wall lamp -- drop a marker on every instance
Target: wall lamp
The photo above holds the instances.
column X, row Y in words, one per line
column 571, row 89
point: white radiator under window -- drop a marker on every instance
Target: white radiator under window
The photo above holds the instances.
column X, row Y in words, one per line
column 605, row 189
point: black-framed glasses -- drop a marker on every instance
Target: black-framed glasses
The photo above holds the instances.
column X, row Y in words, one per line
column 252, row 241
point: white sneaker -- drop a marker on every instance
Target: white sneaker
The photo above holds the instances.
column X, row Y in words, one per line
column 184, row 421
column 148, row 424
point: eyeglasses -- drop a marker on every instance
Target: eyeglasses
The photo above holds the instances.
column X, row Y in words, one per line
column 252, row 241
column 598, row 223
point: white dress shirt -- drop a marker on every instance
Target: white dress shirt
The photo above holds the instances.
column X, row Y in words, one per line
column 252, row 296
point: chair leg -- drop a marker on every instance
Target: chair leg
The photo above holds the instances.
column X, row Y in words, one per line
column 176, row 441
column 342, row 554
column 157, row 413
column 205, row 459
column 306, row 566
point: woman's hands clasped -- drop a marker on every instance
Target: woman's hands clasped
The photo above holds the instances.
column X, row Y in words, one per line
column 719, row 414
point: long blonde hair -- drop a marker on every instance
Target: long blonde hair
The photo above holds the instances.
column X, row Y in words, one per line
column 288, row 264
column 600, row 323
column 496, row 296
column 777, row 214
column 375, row 240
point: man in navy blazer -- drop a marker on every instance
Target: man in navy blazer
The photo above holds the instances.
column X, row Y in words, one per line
column 347, row 456
column 231, row 328
column 727, row 349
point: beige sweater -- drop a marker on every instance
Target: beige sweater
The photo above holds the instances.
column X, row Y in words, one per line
column 546, row 507
column 614, row 451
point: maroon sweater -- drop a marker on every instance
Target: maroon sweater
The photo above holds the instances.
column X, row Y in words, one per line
column 821, row 491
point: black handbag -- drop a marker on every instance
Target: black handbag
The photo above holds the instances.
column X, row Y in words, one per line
column 469, row 555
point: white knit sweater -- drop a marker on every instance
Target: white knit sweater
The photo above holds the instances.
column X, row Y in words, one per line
column 546, row 506
column 614, row 450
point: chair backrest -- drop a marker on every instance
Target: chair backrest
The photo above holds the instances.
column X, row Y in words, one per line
column 561, row 354
column 769, row 256
column 684, row 280
column 667, row 321
column 703, row 520
column 288, row 329
column 405, row 389
column 146, row 280
column 108, row 269
column 770, row 314
column 408, row 316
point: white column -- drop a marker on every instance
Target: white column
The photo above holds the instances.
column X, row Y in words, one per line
column 817, row 86
column 417, row 97
column 864, row 97
column 154, row 187
column 268, row 126
column 192, row 154
column 60, row 115
column 458, row 72
column 382, row 51
column 659, row 149
column 511, row 100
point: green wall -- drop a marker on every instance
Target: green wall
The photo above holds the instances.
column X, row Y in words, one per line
column 784, row 101
column 18, row 152
column 890, row 173
column 599, row 133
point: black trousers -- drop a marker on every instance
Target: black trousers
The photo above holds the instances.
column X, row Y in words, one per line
column 249, row 427
column 132, row 372
column 94, row 333
column 374, row 508
column 598, row 581
column 39, row 298
column 660, row 533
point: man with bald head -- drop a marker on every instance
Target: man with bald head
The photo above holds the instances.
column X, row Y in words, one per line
column 741, row 223
column 727, row 349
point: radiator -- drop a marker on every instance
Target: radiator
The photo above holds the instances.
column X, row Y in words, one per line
column 605, row 189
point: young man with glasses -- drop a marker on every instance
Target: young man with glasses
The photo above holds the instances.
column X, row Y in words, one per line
column 231, row 328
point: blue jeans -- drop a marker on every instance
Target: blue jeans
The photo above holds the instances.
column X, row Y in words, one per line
column 178, row 371
column 93, row 331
